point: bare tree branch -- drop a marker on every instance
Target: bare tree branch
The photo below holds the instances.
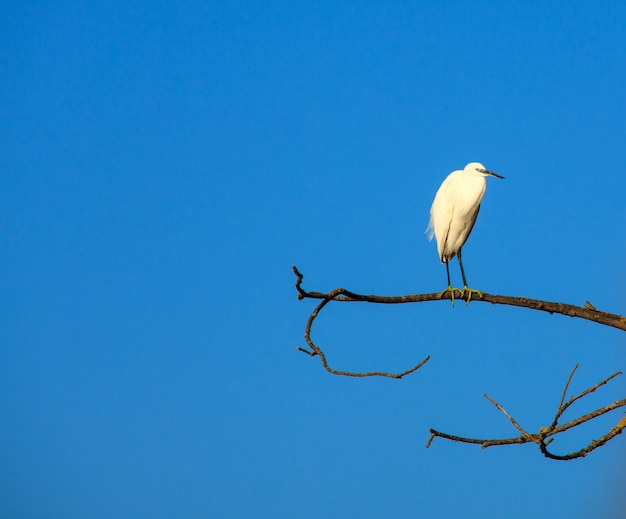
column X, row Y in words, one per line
column 586, row 312
column 546, row 435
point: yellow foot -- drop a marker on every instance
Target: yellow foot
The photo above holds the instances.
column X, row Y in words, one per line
column 468, row 291
column 451, row 290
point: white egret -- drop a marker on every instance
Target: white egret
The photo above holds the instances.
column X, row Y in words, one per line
column 454, row 212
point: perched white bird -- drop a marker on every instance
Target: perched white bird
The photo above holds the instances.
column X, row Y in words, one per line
column 454, row 212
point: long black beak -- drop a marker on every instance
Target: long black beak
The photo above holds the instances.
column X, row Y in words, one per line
column 490, row 173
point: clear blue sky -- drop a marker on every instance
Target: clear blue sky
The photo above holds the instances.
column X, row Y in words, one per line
column 164, row 164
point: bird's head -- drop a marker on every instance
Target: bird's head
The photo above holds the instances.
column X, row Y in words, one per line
column 476, row 168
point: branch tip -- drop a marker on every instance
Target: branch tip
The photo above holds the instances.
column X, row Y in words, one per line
column 304, row 350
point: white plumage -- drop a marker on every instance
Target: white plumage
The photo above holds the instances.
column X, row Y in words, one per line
column 454, row 211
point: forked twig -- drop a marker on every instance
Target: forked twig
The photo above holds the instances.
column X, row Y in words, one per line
column 546, row 435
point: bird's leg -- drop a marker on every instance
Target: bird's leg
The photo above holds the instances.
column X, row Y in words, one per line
column 449, row 289
column 462, row 271
column 467, row 290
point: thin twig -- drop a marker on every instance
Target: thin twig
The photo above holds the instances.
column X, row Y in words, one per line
column 560, row 409
column 515, row 424
column 316, row 350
